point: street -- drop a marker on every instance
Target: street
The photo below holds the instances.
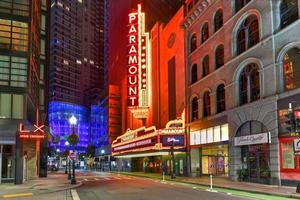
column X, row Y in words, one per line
column 113, row 187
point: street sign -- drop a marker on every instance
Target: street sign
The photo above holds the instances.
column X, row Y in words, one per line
column 297, row 144
column 72, row 156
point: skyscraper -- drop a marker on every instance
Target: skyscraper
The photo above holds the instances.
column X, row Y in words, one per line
column 77, row 72
column 19, row 73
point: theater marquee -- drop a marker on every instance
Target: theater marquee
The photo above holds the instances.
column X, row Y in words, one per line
column 138, row 74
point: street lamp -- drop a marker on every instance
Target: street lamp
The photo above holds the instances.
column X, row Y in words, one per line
column 73, row 139
column 66, row 144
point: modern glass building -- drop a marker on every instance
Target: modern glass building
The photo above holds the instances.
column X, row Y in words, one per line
column 19, row 74
column 77, row 60
column 60, row 127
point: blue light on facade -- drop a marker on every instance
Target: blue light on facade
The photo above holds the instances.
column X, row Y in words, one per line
column 99, row 124
column 59, row 114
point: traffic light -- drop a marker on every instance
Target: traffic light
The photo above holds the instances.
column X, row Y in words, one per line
column 290, row 122
column 297, row 121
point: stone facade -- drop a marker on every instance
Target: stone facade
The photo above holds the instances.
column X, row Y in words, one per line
column 267, row 54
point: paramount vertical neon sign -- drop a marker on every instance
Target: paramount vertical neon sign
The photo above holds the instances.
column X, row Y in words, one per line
column 138, row 79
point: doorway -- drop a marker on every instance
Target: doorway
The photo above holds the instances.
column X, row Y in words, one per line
column 256, row 160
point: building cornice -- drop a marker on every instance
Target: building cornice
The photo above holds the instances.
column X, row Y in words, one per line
column 195, row 13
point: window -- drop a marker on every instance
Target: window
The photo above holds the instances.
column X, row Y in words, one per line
column 205, row 66
column 204, row 33
column 248, row 34
column 291, row 69
column 193, row 43
column 239, row 4
column 194, row 108
column 13, row 71
column 11, row 106
column 194, row 74
column 218, row 20
column 249, row 86
column 220, row 98
column 288, row 12
column 206, row 104
column 219, row 56
column 13, row 35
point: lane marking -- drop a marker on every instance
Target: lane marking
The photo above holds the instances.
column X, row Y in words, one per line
column 75, row 195
column 228, row 193
column 85, row 179
column 17, row 195
column 107, row 178
column 117, row 178
column 96, row 179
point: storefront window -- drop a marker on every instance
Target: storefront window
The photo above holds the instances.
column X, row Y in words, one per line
column 287, row 155
column 215, row 160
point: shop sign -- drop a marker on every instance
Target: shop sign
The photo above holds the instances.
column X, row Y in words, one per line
column 252, row 139
column 177, row 140
column 173, row 131
column 297, row 145
column 137, row 144
column 32, row 136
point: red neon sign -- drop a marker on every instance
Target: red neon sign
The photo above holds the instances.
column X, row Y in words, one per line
column 31, row 136
column 138, row 61
column 133, row 60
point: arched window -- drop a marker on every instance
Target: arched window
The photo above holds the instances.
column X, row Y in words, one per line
column 288, row 12
column 249, row 87
column 194, row 74
column 194, row 108
column 291, row 69
column 220, row 98
column 248, row 34
column 193, row 43
column 218, row 20
column 206, row 104
column 239, row 4
column 251, row 128
column 204, row 32
column 205, row 66
column 219, row 56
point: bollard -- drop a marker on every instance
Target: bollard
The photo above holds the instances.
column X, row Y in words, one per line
column 163, row 176
column 211, row 186
column 298, row 188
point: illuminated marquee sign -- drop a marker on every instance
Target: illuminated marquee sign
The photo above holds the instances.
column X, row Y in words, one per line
column 138, row 79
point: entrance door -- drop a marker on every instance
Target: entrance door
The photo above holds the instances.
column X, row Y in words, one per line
column 258, row 163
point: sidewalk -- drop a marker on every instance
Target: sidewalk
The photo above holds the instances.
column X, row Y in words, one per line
column 219, row 182
column 54, row 183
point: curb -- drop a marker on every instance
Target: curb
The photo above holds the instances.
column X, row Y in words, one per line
column 293, row 196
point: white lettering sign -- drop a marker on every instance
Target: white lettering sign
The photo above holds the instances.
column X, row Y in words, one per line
column 252, row 139
column 297, row 144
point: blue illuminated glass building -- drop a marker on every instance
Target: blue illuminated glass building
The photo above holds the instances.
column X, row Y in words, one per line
column 59, row 115
column 99, row 124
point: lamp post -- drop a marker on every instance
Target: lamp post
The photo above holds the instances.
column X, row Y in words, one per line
column 101, row 164
column 66, row 154
column 73, row 139
column 173, row 175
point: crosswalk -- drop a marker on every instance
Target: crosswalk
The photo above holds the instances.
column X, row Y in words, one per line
column 106, row 178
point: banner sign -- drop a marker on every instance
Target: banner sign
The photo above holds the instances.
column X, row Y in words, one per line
column 252, row 139
column 166, row 140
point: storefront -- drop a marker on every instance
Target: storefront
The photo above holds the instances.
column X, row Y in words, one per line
column 288, row 144
column 149, row 150
column 253, row 139
column 209, row 151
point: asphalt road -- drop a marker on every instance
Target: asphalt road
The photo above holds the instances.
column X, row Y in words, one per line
column 119, row 187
